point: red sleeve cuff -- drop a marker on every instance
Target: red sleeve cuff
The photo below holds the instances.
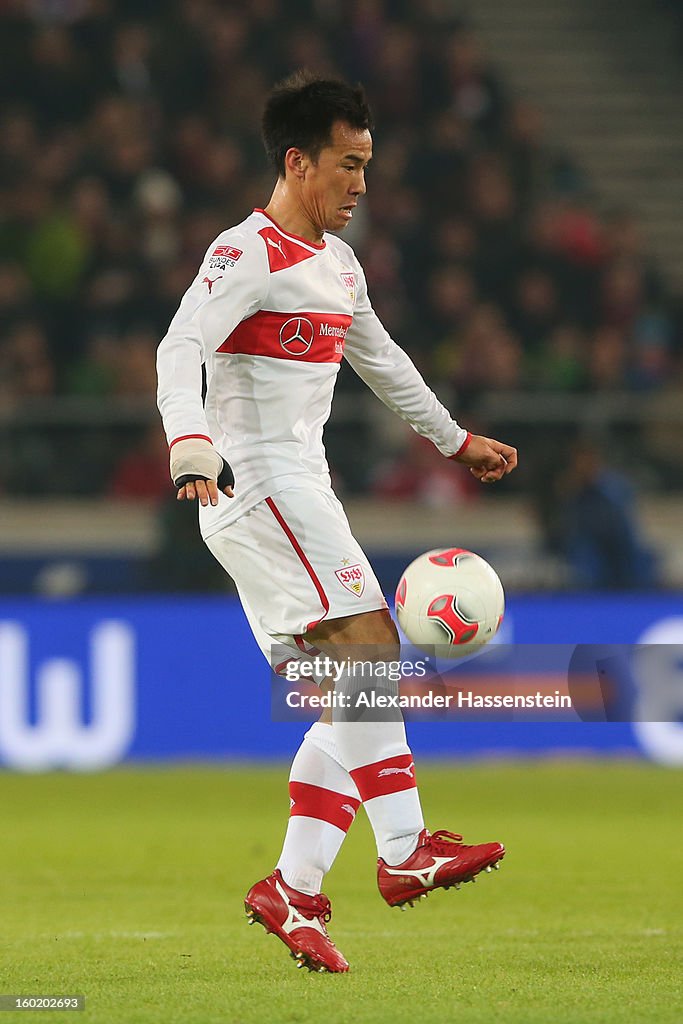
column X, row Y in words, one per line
column 186, row 437
column 463, row 446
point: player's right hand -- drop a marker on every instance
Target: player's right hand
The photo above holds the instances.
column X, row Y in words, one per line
column 199, row 471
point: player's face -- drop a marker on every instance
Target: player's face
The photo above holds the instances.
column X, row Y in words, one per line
column 331, row 186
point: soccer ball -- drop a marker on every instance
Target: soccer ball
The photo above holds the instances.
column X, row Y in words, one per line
column 451, row 600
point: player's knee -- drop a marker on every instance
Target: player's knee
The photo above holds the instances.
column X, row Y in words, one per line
column 370, row 635
column 387, row 640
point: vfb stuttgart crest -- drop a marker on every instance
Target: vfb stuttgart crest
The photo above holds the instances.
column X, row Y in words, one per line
column 296, row 335
column 353, row 578
column 350, row 284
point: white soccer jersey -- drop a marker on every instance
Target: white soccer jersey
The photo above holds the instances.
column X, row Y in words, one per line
column 271, row 315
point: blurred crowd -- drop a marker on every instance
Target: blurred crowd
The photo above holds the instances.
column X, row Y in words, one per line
column 130, row 138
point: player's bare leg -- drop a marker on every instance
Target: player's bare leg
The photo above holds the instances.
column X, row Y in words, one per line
column 411, row 861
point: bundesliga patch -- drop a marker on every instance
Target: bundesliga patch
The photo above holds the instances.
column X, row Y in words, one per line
column 353, row 578
column 350, row 285
column 224, row 256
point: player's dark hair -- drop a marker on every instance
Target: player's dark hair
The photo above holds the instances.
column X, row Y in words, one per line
column 301, row 111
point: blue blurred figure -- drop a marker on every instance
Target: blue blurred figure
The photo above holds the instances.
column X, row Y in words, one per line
column 602, row 540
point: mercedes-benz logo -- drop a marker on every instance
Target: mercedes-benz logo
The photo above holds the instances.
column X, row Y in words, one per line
column 296, row 335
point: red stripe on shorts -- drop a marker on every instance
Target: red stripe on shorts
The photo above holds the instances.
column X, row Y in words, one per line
column 324, row 804
column 307, row 565
column 392, row 775
column 281, row 669
column 299, row 641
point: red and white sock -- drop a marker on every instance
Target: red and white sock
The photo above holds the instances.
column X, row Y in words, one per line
column 379, row 760
column 324, row 800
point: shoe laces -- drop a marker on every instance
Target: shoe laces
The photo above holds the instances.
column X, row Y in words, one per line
column 315, row 906
column 443, row 841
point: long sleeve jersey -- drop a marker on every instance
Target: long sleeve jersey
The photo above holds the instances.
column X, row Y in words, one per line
column 271, row 316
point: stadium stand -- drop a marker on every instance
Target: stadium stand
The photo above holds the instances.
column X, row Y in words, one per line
column 130, row 138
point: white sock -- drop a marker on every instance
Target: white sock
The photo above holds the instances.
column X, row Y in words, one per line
column 324, row 800
column 379, row 760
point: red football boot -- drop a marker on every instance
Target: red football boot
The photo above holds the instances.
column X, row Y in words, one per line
column 439, row 861
column 298, row 919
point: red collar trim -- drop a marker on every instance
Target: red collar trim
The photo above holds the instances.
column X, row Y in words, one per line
column 288, row 234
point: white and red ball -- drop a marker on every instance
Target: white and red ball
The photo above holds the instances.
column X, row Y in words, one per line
column 450, row 599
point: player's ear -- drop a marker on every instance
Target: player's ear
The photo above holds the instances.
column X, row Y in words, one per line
column 296, row 162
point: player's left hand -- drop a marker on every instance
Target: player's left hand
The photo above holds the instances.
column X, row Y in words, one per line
column 488, row 460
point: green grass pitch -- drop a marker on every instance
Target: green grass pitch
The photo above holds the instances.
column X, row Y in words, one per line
column 127, row 887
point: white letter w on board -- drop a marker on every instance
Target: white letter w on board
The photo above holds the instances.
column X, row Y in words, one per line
column 59, row 738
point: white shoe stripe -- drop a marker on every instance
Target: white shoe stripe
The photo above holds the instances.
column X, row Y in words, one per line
column 425, row 875
column 294, row 918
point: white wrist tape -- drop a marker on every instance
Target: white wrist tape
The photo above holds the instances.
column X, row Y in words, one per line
column 195, row 457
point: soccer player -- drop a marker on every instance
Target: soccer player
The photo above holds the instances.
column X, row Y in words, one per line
column 277, row 303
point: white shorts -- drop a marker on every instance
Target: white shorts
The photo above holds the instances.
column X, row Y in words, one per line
column 295, row 562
